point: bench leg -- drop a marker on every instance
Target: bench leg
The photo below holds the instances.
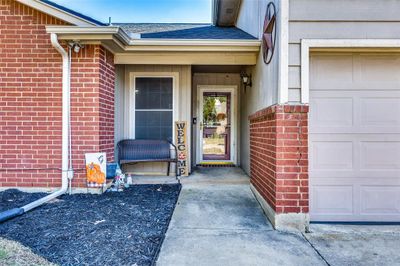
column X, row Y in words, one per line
column 176, row 173
column 169, row 166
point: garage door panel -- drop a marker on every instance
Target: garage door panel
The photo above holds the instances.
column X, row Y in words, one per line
column 382, row 70
column 331, row 69
column 354, row 137
column 373, row 180
column 355, row 72
column 381, row 175
column 332, row 155
column 360, row 86
column 332, row 199
column 362, row 200
column 354, row 156
column 326, row 113
column 380, row 155
column 380, row 200
column 355, row 112
column 355, row 217
column 380, row 112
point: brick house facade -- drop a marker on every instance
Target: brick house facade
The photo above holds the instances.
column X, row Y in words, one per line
column 31, row 117
column 294, row 118
column 30, row 100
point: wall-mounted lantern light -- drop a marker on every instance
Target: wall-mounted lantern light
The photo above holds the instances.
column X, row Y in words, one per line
column 246, row 80
column 75, row 46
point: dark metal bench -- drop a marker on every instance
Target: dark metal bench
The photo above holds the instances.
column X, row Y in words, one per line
column 131, row 151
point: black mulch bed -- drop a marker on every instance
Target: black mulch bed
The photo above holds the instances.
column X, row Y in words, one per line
column 116, row 228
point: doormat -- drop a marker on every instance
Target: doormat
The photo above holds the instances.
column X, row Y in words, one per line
column 217, row 164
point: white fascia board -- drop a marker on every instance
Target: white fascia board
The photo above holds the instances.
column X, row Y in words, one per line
column 128, row 44
column 193, row 45
column 82, row 30
column 58, row 13
column 104, row 30
column 195, row 42
column 307, row 45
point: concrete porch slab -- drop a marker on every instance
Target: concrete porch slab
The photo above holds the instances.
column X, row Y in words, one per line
column 217, row 221
column 217, row 208
column 231, row 195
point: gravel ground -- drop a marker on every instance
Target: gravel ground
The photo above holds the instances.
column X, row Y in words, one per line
column 116, row 228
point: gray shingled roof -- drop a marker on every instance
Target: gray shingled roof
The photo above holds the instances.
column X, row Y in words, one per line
column 184, row 31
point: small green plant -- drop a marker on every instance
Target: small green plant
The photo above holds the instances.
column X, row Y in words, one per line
column 3, row 254
column 209, row 111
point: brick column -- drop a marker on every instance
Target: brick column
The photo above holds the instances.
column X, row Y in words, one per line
column 92, row 106
column 279, row 162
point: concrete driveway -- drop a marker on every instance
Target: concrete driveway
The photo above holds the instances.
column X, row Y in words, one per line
column 217, row 221
column 355, row 244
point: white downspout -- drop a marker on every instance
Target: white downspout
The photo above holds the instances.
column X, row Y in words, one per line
column 66, row 90
column 67, row 173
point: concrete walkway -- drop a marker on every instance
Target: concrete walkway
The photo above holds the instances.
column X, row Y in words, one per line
column 217, row 221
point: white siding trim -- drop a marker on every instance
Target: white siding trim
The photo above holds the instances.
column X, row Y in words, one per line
column 355, row 44
column 283, row 81
column 305, row 71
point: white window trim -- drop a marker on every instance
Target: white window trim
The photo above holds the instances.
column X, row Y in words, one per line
column 233, row 89
column 336, row 44
column 132, row 89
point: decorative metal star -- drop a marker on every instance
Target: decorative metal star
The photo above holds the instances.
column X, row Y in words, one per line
column 269, row 33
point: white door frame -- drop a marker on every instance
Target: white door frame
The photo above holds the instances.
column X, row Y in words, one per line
column 234, row 119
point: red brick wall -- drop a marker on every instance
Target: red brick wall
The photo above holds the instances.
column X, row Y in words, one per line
column 92, row 106
column 107, row 84
column 279, row 156
column 30, row 100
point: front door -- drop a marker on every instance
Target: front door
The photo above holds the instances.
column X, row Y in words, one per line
column 216, row 125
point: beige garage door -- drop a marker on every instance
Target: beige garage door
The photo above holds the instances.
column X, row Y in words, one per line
column 355, row 137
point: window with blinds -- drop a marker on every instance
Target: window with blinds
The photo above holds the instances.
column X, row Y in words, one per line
column 153, row 108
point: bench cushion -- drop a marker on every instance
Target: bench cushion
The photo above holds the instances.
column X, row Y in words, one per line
column 136, row 150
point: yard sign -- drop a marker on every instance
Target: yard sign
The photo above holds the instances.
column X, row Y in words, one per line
column 96, row 169
column 181, row 146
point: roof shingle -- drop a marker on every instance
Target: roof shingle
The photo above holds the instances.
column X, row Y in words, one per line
column 184, row 31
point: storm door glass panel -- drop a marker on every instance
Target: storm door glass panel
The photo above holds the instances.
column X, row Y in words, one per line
column 216, row 126
column 154, row 108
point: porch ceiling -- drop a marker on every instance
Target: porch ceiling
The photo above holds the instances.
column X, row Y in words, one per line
column 128, row 50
